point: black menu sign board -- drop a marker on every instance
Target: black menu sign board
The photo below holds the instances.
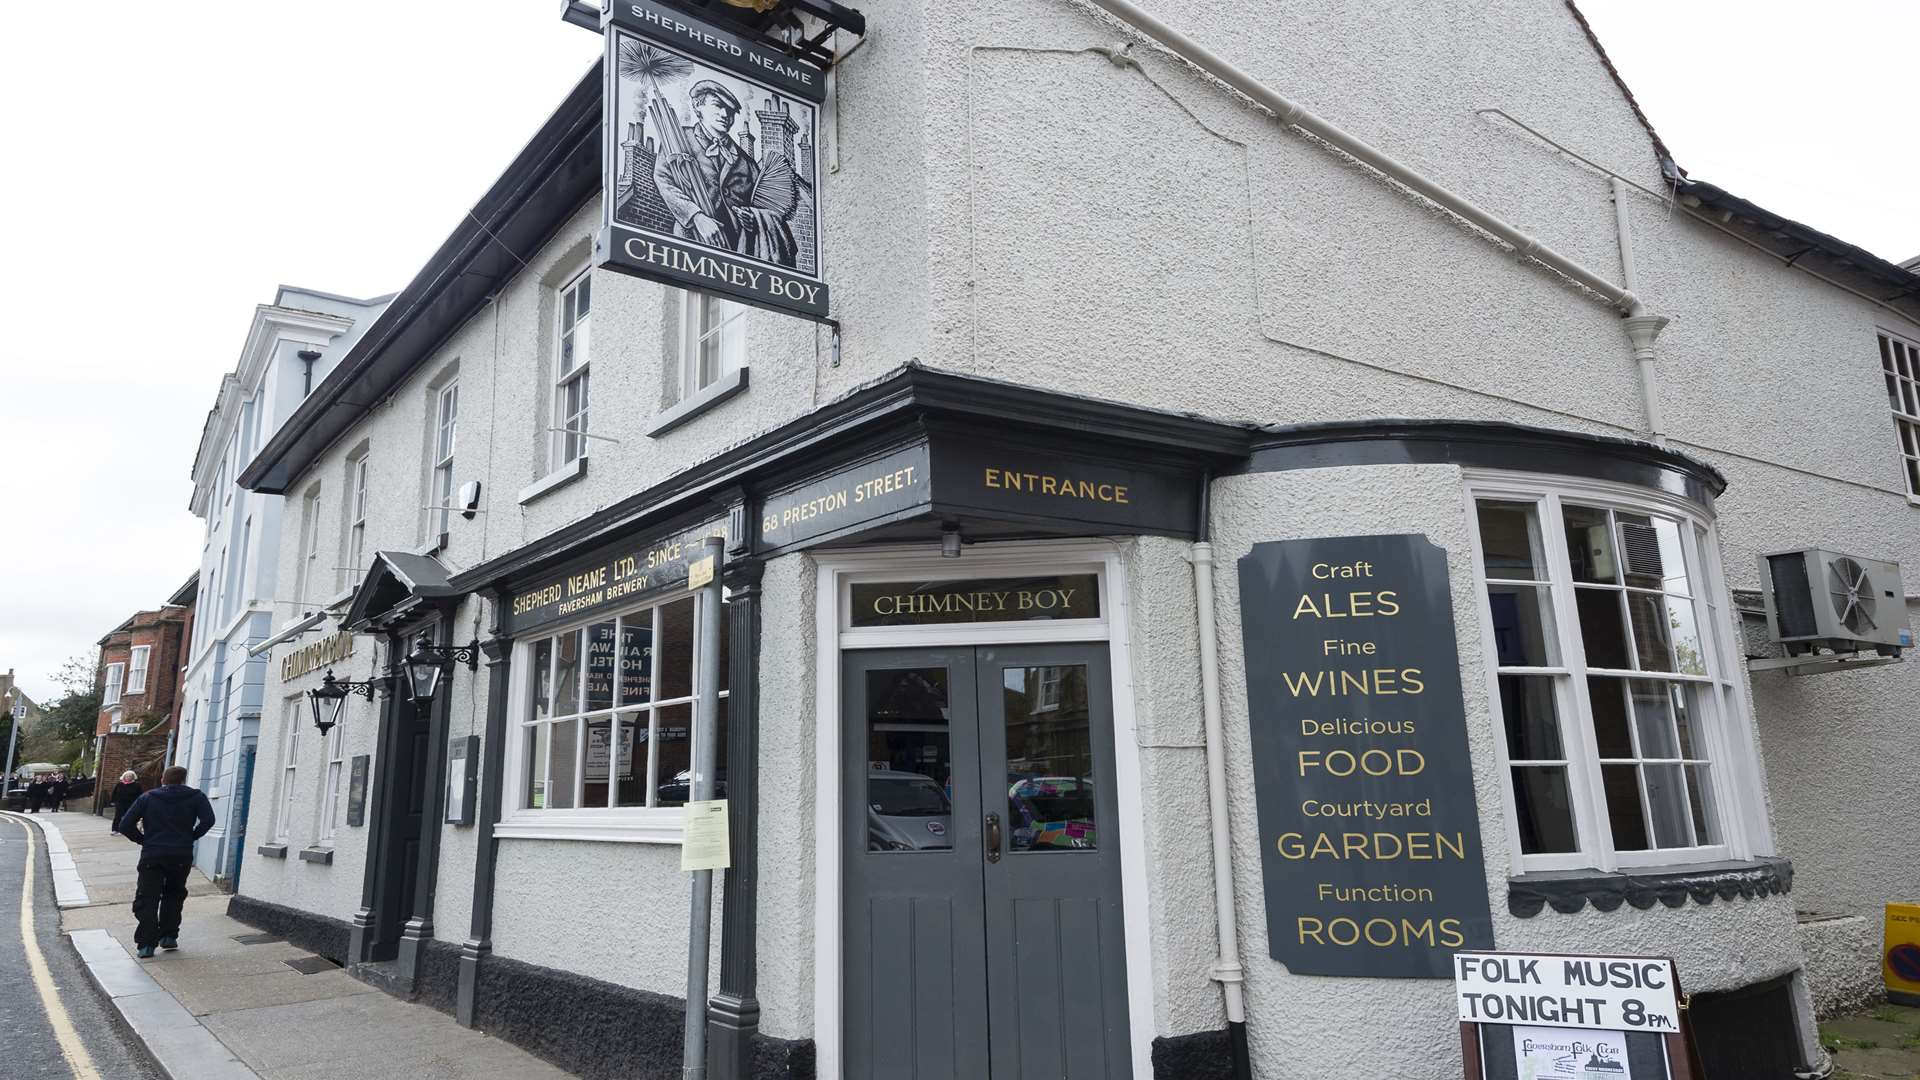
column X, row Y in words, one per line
column 1369, row 831
column 357, row 791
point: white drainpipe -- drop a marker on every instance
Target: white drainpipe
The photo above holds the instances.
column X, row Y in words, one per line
column 1226, row 969
column 1291, row 113
column 1642, row 329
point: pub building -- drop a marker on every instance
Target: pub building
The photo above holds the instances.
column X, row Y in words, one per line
column 1200, row 578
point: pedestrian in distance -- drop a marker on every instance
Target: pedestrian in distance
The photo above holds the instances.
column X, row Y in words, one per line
column 57, row 791
column 124, row 793
column 36, row 794
column 174, row 816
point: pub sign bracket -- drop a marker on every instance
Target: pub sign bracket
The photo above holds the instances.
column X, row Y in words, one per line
column 781, row 24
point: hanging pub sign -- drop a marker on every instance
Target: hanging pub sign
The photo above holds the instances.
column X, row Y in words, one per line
column 711, row 160
column 1529, row 1016
column 1369, row 830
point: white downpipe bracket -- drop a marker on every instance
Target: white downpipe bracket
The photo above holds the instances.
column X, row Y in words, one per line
column 1226, row 969
column 1641, row 328
column 1291, row 113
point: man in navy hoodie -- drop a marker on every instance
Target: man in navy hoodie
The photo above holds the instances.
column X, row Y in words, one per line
column 175, row 815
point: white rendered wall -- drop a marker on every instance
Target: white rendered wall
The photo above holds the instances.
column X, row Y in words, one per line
column 1013, row 205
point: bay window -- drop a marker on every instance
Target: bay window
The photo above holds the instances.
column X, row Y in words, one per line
column 606, row 713
column 1612, row 665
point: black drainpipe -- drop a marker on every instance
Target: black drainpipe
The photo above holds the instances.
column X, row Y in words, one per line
column 307, row 356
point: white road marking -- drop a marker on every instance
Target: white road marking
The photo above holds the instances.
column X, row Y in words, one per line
column 71, row 1047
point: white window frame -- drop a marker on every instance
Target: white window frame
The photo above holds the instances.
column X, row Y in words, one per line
column 356, row 520
column 1900, row 367
column 330, row 792
column 138, row 658
column 728, row 335
column 446, row 432
column 289, row 773
column 110, row 695
column 1725, row 725
column 572, row 389
column 137, row 662
column 628, row 824
column 309, row 574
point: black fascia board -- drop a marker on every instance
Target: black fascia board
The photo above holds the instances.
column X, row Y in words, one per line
column 890, row 410
column 1493, row 444
column 187, row 593
column 549, row 180
column 1905, row 281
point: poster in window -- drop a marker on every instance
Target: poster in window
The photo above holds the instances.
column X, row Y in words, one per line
column 597, row 743
column 712, row 161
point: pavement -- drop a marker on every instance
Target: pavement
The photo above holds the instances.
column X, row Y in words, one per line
column 236, row 1004
column 1878, row 1044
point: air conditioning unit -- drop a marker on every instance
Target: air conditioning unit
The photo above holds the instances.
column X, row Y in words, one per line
column 1818, row 599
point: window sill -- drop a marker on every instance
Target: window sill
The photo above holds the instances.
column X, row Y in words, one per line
column 1567, row 891
column 658, row 826
column 726, row 386
column 321, row 855
column 561, row 477
column 272, row 851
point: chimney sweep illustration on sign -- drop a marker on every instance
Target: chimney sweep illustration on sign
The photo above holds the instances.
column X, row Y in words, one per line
column 711, row 162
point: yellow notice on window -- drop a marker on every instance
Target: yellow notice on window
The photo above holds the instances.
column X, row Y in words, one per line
column 1901, row 960
column 699, row 572
column 704, row 845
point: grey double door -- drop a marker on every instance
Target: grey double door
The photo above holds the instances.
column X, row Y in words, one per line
column 982, row 922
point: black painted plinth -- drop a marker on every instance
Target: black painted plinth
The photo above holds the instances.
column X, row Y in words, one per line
column 1203, row 1055
column 593, row 1029
column 317, row 934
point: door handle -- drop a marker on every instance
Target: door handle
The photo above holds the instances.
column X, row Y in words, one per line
column 993, row 837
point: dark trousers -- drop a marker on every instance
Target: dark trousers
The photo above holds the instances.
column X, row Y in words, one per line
column 159, row 896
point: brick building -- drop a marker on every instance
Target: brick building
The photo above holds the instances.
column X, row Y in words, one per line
column 139, row 674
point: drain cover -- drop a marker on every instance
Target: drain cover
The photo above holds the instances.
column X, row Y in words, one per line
column 312, row 965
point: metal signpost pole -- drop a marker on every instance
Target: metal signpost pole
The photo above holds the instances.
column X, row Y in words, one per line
column 19, row 713
column 706, row 760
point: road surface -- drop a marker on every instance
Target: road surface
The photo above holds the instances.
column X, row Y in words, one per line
column 53, row 1024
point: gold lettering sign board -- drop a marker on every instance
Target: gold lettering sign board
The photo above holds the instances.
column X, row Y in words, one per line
column 976, row 600
column 628, row 574
column 1370, row 834
column 325, row 652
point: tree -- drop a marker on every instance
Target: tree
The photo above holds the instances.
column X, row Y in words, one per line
column 65, row 728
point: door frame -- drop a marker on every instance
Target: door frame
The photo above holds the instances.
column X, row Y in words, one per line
column 836, row 571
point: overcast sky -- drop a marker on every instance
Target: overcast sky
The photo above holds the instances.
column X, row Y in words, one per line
column 166, row 165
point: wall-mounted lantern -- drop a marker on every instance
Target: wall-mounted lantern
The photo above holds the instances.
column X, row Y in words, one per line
column 428, row 662
column 330, row 696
